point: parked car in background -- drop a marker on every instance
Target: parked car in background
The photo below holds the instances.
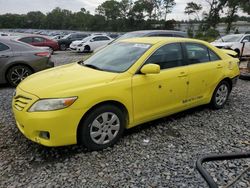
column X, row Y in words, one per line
column 40, row 41
column 90, row 43
column 4, row 34
column 57, row 37
column 234, row 42
column 19, row 60
column 149, row 33
column 66, row 40
column 128, row 83
column 153, row 33
column 114, row 35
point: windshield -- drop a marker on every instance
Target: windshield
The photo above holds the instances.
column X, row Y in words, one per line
column 66, row 36
column 117, row 57
column 131, row 35
column 86, row 39
column 231, row 38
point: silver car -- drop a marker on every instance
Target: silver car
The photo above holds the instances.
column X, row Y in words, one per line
column 18, row 60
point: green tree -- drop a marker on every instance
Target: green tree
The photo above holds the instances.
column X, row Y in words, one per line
column 35, row 20
column 233, row 6
column 109, row 9
column 193, row 8
column 168, row 6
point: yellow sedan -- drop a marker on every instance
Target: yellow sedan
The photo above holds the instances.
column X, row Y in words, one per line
column 127, row 83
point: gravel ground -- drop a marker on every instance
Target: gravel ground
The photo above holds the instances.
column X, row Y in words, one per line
column 161, row 153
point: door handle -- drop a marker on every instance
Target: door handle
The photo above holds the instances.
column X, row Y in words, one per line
column 182, row 74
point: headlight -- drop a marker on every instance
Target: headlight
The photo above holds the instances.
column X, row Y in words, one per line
column 52, row 104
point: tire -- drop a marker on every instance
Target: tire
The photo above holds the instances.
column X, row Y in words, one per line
column 238, row 53
column 17, row 73
column 63, row 47
column 95, row 123
column 220, row 95
column 87, row 48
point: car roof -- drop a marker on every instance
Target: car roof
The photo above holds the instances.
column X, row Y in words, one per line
column 155, row 40
column 156, row 31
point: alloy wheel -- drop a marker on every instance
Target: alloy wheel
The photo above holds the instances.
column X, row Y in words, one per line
column 221, row 95
column 105, row 128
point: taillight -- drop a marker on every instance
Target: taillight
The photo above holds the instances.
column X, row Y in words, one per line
column 43, row 54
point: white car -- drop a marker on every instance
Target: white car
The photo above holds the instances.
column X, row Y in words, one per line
column 234, row 42
column 91, row 43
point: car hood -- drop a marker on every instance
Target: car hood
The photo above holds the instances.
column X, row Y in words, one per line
column 77, row 42
column 64, row 81
column 222, row 44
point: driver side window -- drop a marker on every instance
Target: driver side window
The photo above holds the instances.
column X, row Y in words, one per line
column 167, row 56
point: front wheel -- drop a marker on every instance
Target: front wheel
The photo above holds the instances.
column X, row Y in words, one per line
column 220, row 95
column 102, row 127
column 17, row 73
column 87, row 48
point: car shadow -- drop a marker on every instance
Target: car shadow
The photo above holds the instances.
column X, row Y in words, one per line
column 6, row 86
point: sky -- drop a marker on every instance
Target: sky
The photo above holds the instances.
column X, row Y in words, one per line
column 24, row 6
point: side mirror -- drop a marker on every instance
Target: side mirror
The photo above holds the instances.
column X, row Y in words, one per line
column 150, row 69
column 92, row 40
column 245, row 41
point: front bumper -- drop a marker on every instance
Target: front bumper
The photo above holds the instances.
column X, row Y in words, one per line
column 61, row 125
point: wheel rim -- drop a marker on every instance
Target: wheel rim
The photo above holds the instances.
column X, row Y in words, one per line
column 105, row 128
column 18, row 75
column 221, row 95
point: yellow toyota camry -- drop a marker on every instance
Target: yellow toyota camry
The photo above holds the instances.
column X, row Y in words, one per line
column 125, row 84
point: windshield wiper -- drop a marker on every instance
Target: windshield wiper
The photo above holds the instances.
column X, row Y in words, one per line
column 91, row 66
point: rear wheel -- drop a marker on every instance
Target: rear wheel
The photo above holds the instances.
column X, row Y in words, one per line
column 17, row 73
column 102, row 127
column 220, row 95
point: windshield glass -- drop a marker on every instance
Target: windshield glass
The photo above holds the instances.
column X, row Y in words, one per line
column 117, row 57
column 66, row 36
column 231, row 38
column 131, row 35
column 86, row 39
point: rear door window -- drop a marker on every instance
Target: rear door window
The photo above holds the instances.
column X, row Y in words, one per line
column 197, row 53
column 38, row 39
column 26, row 39
column 3, row 47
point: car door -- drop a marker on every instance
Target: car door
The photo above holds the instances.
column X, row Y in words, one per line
column 161, row 94
column 246, row 51
column 205, row 71
column 100, row 41
column 95, row 42
column 38, row 41
column 5, row 55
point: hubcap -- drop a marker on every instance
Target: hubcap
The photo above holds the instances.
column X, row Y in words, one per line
column 221, row 95
column 104, row 128
column 18, row 74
